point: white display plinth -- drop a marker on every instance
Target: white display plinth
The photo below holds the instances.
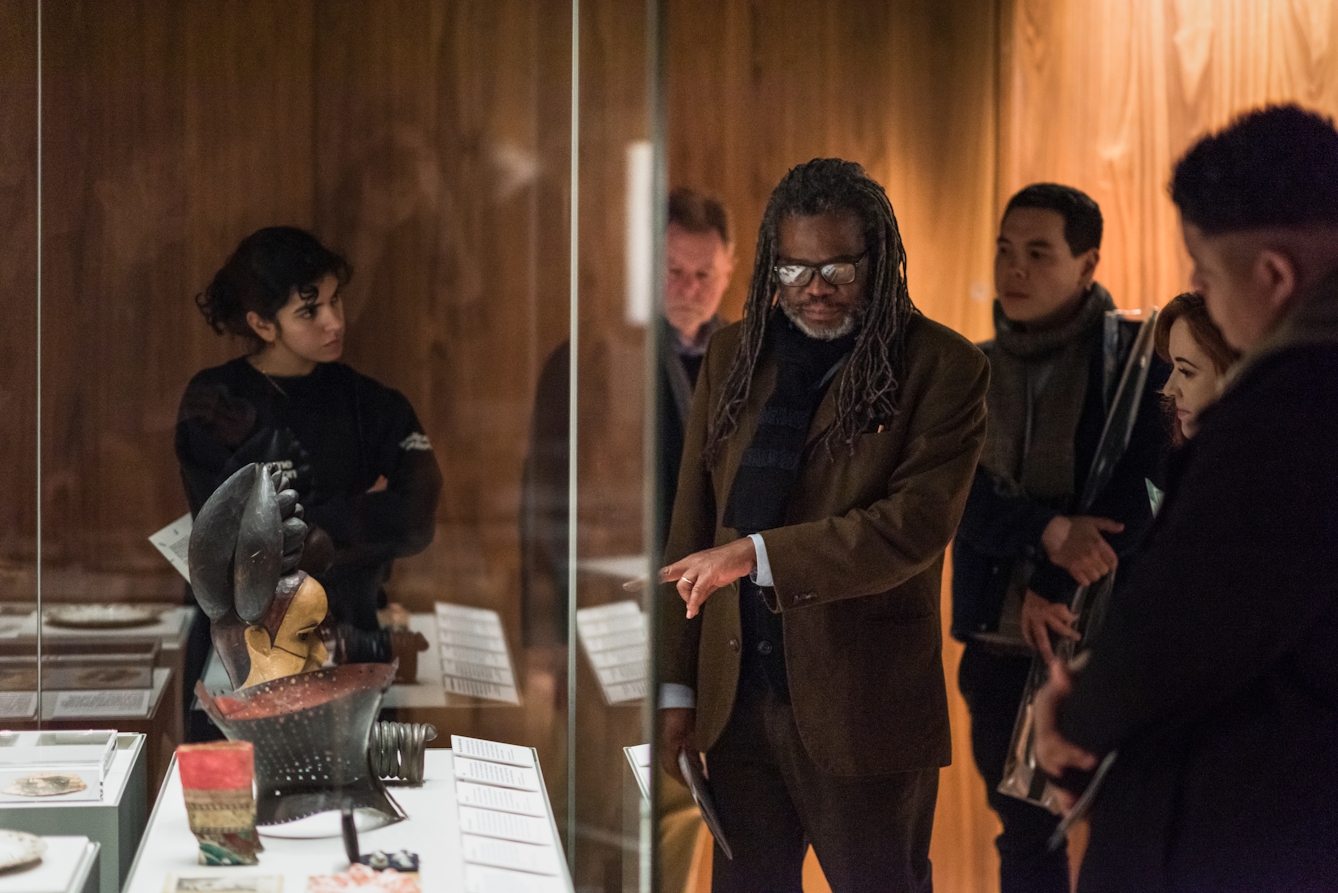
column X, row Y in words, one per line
column 116, row 821
column 432, row 830
column 69, row 866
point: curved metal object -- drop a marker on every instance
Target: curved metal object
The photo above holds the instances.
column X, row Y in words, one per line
column 213, row 542
column 397, row 749
column 311, row 734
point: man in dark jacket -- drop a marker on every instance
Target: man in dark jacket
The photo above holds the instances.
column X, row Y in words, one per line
column 1025, row 544
column 1215, row 675
column 833, row 436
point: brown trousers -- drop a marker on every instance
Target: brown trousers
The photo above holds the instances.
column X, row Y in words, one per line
column 869, row 833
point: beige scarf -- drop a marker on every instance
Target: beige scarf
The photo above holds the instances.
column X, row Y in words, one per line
column 1038, row 382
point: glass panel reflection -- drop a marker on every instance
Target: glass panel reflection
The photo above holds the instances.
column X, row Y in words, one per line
column 18, row 357
column 428, row 148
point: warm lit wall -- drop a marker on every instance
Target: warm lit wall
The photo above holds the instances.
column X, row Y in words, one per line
column 1106, row 94
column 905, row 88
column 431, row 142
column 1102, row 94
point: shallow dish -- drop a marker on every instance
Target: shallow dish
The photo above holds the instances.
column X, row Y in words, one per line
column 19, row 849
column 102, row 616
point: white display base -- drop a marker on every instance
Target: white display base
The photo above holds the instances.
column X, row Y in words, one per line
column 69, row 866
column 116, row 821
column 432, row 830
column 324, row 825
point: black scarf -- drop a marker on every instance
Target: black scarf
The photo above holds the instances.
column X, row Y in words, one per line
column 770, row 465
column 767, row 475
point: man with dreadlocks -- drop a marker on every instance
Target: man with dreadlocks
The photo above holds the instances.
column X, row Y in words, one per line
column 829, row 451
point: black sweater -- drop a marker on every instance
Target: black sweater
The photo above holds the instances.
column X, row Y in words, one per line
column 341, row 431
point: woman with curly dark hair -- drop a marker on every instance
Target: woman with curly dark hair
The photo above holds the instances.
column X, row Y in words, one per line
column 352, row 448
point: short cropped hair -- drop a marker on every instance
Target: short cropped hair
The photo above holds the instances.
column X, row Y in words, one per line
column 1275, row 166
column 1082, row 215
column 698, row 213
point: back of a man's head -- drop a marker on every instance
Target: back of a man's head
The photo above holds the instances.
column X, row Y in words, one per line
column 698, row 213
column 1275, row 167
column 1082, row 215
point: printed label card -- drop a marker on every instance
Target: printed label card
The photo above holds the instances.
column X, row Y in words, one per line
column 615, row 641
column 475, row 660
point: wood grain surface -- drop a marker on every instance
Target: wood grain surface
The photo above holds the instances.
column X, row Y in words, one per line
column 18, row 300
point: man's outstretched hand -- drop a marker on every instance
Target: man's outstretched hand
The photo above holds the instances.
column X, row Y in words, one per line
column 702, row 573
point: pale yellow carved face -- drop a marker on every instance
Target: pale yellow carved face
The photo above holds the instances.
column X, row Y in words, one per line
column 297, row 646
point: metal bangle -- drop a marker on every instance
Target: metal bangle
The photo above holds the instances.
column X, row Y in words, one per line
column 396, row 749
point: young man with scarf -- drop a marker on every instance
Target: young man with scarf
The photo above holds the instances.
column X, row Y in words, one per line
column 1023, row 547
column 831, row 444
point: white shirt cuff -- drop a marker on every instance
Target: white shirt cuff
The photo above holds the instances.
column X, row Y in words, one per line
column 674, row 695
column 761, row 575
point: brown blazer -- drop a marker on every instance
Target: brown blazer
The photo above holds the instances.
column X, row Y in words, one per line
column 857, row 568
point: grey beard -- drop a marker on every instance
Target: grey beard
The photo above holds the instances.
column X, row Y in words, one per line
column 848, row 325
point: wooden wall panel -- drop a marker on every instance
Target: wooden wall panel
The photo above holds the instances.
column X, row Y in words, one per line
column 429, row 141
column 169, row 132
column 1107, row 95
column 18, row 299
column 907, row 89
column 441, row 164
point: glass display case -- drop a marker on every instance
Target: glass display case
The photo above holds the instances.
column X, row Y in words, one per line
column 490, row 175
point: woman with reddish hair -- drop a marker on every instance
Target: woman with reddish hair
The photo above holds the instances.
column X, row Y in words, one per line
column 1188, row 339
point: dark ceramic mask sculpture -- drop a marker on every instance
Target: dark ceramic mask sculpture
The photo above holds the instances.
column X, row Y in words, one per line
column 245, row 546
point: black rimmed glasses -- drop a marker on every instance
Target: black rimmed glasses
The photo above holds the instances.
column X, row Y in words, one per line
column 837, row 273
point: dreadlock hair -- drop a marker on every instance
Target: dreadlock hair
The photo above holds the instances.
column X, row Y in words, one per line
column 867, row 388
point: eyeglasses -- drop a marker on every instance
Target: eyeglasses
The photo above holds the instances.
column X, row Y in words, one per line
column 799, row 275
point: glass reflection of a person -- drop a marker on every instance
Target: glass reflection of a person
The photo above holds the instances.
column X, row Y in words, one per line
column 352, row 448
column 699, row 256
column 699, row 260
